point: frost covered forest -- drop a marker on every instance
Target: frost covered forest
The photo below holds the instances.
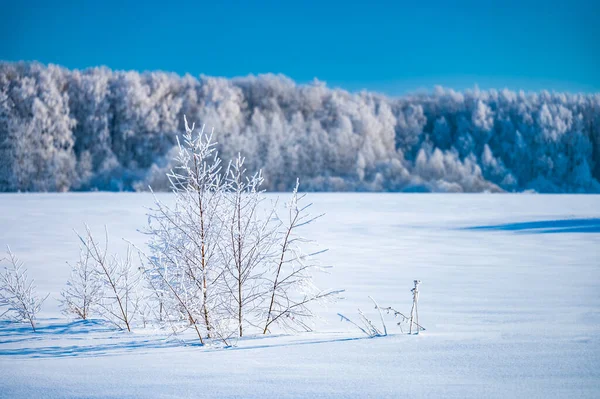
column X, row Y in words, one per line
column 100, row 129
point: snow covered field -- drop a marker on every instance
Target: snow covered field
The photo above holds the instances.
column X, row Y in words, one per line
column 510, row 299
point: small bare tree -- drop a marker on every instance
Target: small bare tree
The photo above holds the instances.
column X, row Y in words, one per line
column 17, row 292
column 291, row 287
column 119, row 281
column 83, row 292
column 247, row 244
column 183, row 265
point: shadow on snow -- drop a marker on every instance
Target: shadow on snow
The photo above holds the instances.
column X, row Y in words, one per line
column 100, row 337
column 105, row 340
column 591, row 225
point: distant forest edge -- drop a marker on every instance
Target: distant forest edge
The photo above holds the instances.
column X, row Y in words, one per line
column 99, row 129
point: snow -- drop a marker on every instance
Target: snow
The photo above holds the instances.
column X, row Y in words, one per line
column 509, row 296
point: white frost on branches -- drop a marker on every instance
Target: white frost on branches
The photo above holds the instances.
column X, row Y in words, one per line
column 248, row 240
column 371, row 330
column 219, row 261
column 83, row 292
column 18, row 292
column 291, row 288
column 114, row 287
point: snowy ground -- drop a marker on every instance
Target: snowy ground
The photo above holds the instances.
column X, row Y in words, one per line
column 510, row 299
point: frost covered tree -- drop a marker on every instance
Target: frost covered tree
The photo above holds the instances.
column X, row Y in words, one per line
column 116, row 130
column 183, row 264
column 18, row 292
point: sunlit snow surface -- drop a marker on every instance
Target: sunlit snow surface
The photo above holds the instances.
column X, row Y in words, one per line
column 510, row 299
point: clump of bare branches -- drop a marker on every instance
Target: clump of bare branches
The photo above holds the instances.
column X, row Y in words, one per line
column 292, row 289
column 403, row 320
column 83, row 292
column 365, row 325
column 249, row 236
column 370, row 329
column 18, row 292
column 113, row 281
column 219, row 261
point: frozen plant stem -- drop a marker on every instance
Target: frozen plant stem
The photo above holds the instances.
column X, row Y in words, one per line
column 403, row 318
column 414, row 312
column 380, row 315
column 202, row 243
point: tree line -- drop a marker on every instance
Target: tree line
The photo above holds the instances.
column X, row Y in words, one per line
column 100, row 129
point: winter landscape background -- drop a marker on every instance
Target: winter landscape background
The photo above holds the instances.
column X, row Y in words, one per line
column 99, row 129
column 455, row 143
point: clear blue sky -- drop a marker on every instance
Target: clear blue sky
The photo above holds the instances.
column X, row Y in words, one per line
column 392, row 47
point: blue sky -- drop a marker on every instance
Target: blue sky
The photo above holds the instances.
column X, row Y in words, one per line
column 392, row 47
